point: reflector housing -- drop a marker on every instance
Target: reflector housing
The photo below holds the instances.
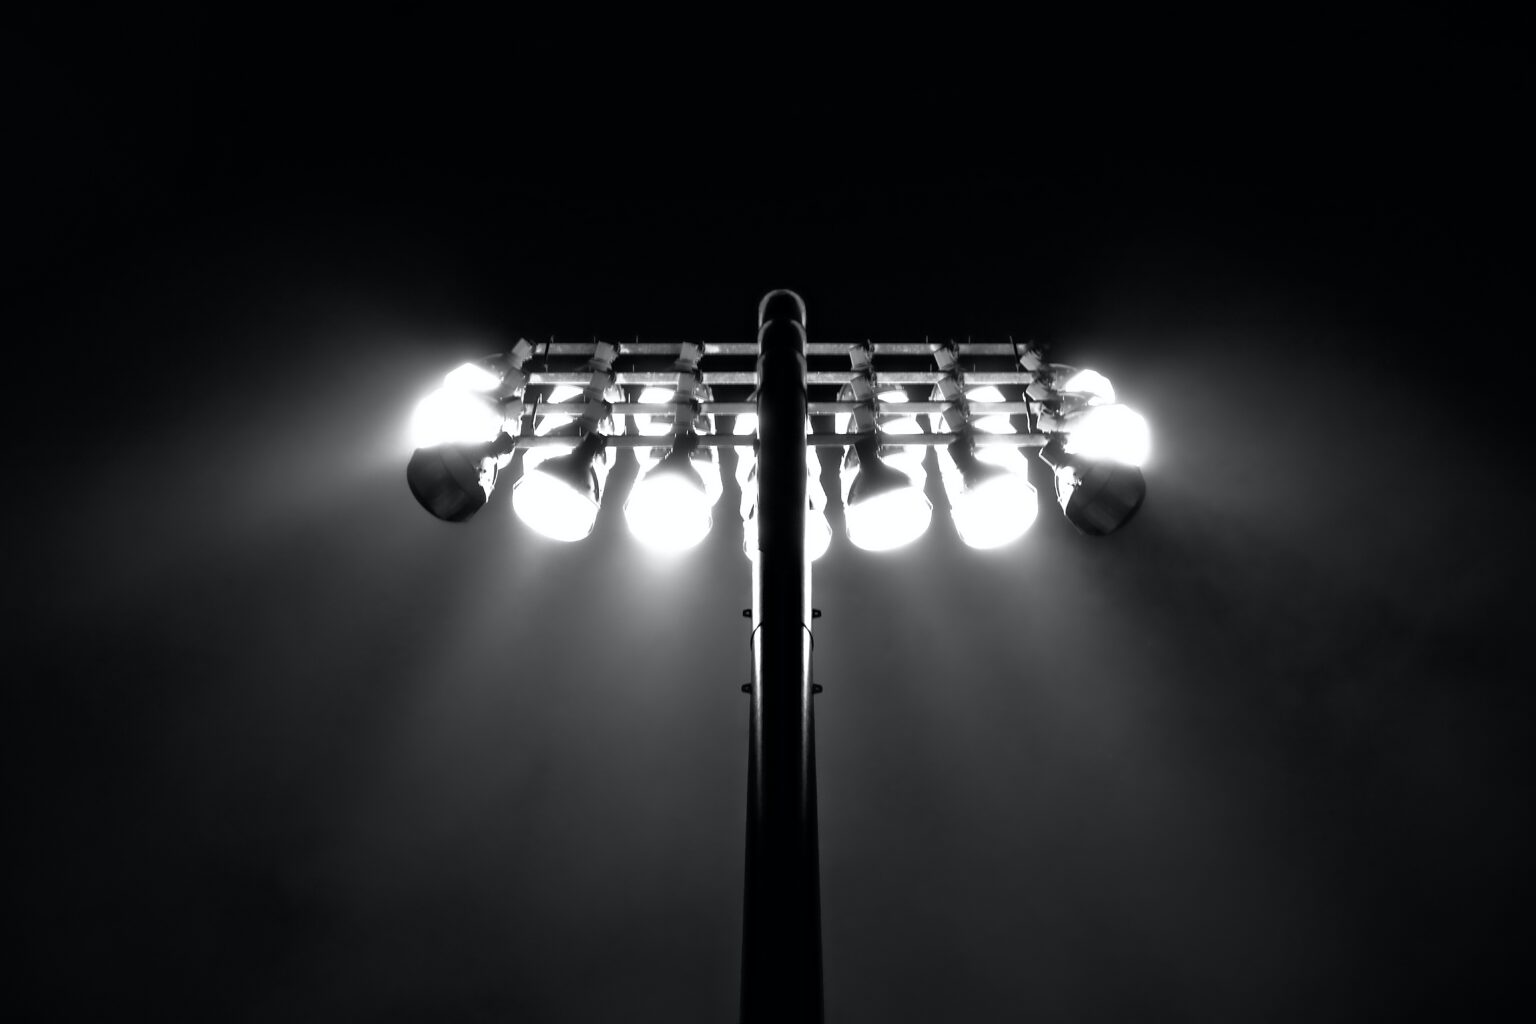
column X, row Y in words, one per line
column 1097, row 498
column 991, row 500
column 669, row 508
column 885, row 506
column 559, row 497
column 454, row 481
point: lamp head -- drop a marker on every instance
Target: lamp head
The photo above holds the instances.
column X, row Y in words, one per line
column 456, row 415
column 1097, row 497
column 1109, row 432
column 885, row 509
column 559, row 497
column 454, row 481
column 973, row 471
column 992, row 505
column 875, row 477
column 669, row 509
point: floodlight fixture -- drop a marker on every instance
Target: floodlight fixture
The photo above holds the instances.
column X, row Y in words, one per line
column 1108, row 432
column 992, row 503
column 1089, row 384
column 472, row 377
column 1097, row 497
column 559, row 497
column 454, row 481
column 473, row 403
column 654, row 426
column 669, row 507
column 885, row 505
column 981, row 421
column 452, row 415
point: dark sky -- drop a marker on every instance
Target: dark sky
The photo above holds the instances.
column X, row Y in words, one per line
column 286, row 749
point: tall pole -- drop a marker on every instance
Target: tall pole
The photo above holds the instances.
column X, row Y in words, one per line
column 781, row 923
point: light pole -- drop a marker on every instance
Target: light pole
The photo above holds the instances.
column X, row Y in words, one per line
column 781, row 916
column 468, row 430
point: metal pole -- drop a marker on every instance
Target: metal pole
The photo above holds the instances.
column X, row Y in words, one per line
column 781, row 924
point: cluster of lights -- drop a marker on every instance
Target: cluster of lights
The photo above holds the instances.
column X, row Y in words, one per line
column 466, row 432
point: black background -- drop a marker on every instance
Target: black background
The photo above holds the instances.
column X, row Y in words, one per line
column 286, row 749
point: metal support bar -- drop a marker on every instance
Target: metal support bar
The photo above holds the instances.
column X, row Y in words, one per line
column 749, row 348
column 781, row 978
column 813, row 440
column 815, row 408
column 749, row 377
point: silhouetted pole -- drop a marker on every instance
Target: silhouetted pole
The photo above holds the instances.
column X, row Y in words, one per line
column 781, row 926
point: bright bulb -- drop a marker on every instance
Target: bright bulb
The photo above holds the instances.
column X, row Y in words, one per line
column 668, row 512
column 980, row 421
column 471, row 377
column 1091, row 383
column 1110, row 432
column 553, row 508
column 818, row 533
column 558, row 395
column 452, row 416
column 890, row 520
column 995, row 512
column 655, row 426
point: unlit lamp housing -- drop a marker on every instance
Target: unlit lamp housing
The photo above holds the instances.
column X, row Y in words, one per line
column 454, row 481
column 1097, row 497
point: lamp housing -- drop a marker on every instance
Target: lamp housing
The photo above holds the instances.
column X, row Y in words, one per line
column 560, row 496
column 669, row 509
column 991, row 500
column 454, row 481
column 884, row 505
column 1098, row 497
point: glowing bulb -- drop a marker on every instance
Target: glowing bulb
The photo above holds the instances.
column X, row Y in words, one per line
column 1092, row 384
column 995, row 512
column 1111, row 432
column 883, row 498
column 999, row 423
column 471, row 377
column 654, row 426
column 558, row 497
column 669, row 511
column 453, row 416
column 890, row 520
column 553, row 507
column 990, row 497
column 559, row 394
column 908, row 457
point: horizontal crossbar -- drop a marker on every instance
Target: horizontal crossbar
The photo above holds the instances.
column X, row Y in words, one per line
column 749, row 348
column 811, row 440
column 749, row 377
column 815, row 408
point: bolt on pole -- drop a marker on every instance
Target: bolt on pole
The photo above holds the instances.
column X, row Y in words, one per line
column 781, row 977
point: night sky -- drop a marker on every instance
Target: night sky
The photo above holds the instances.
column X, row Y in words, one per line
column 284, row 748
